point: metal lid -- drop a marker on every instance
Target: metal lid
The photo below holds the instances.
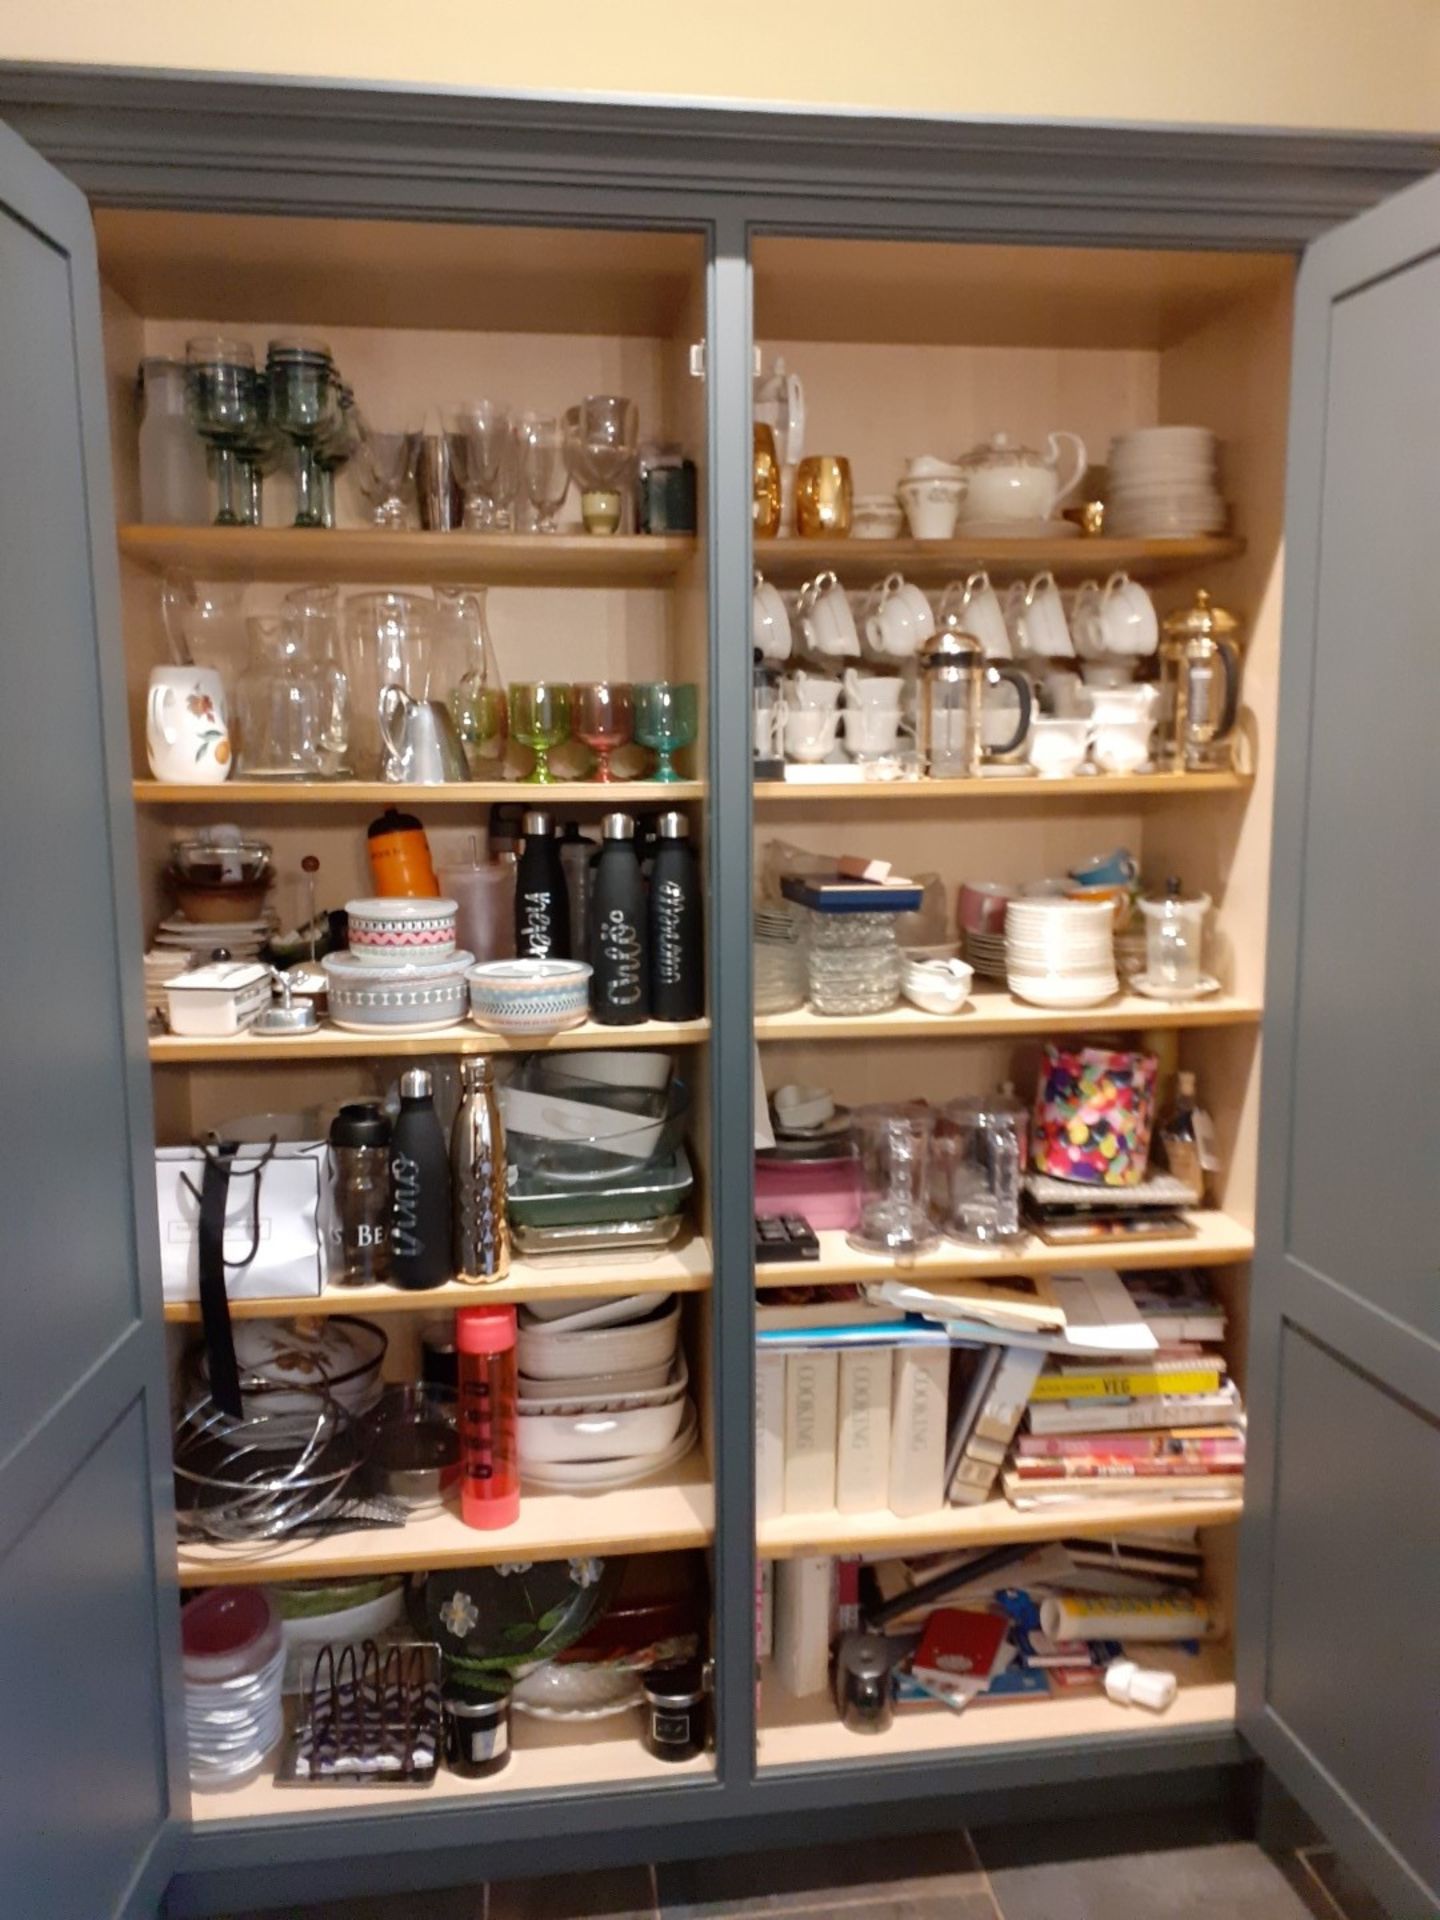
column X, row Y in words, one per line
column 393, row 821
column 682, row 1685
column 952, row 646
column 537, row 825
column 416, row 1084
column 866, row 1655
column 303, row 349
column 1202, row 621
column 360, row 1123
column 673, row 826
column 617, row 826
column 461, row 1706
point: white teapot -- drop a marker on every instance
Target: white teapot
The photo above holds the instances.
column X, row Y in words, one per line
column 1005, row 481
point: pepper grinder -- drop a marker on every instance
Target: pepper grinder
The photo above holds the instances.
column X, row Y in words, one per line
column 862, row 1683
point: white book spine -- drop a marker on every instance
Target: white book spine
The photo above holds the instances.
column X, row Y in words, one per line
column 812, row 1387
column 769, row 1435
column 802, row 1625
column 919, row 1405
column 1009, row 1394
column 862, row 1449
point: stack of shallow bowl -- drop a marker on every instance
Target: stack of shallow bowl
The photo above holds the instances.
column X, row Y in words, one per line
column 1060, row 953
column 1163, row 484
column 402, row 972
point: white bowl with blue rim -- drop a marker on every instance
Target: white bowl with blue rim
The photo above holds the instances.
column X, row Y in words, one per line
column 530, row 996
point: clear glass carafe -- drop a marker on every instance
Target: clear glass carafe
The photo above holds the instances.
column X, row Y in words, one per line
column 387, row 639
column 980, row 1167
column 1174, row 941
column 290, row 707
column 894, row 1146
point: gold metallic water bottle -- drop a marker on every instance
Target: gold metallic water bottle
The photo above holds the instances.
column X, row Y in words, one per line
column 478, row 1182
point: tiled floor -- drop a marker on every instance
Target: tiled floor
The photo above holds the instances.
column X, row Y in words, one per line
column 1003, row 1874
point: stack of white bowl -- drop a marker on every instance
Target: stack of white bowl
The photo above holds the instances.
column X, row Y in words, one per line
column 1060, row 953
column 1163, row 484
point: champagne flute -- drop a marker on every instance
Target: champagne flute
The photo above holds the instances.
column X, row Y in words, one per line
column 543, row 472
column 540, row 720
column 604, row 720
column 666, row 719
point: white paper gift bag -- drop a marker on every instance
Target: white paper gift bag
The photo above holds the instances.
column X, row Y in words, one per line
column 277, row 1220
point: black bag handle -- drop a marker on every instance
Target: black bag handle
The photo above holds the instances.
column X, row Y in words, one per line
column 213, row 1196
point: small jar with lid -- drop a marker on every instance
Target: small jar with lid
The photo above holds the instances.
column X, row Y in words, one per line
column 677, row 1711
column 477, row 1731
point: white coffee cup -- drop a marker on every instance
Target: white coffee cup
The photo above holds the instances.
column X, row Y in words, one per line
column 1127, row 614
column 826, row 619
column 978, row 606
column 811, row 693
column 932, row 505
column 810, row 734
column 901, row 621
column 1121, row 746
column 1038, row 618
column 871, row 730
column 1056, row 747
column 769, row 622
column 872, row 689
column 1124, row 706
column 187, row 732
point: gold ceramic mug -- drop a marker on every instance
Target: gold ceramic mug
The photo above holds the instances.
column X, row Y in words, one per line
column 765, row 495
column 824, row 495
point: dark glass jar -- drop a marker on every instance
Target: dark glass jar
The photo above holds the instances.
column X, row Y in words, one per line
column 677, row 1711
column 360, row 1159
column 477, row 1732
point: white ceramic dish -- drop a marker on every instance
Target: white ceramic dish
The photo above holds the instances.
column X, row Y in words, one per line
column 601, row 1386
column 551, row 1439
column 552, row 1353
column 570, row 1315
column 1047, row 990
column 530, row 996
column 546, row 1400
column 384, row 931
column 601, row 1476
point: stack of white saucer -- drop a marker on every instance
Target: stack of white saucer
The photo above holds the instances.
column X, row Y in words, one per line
column 1163, row 484
column 1060, row 953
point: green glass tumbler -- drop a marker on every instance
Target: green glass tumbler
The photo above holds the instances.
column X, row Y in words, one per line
column 667, row 717
column 540, row 720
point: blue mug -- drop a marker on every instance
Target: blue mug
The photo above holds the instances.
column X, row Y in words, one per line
column 1117, row 869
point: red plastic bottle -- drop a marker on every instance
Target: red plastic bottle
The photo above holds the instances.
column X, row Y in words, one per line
column 489, row 1436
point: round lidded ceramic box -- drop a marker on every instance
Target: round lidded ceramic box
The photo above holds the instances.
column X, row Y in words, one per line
column 408, row 996
column 383, row 932
column 530, row 996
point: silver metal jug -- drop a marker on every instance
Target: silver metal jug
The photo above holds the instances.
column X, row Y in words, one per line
column 422, row 747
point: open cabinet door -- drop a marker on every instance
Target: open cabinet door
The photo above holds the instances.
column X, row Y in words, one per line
column 1338, row 1644
column 89, row 1735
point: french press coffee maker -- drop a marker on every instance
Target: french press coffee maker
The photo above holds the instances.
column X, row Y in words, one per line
column 950, row 704
column 1199, row 688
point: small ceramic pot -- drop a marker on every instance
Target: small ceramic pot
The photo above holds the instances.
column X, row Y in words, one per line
column 530, row 996
column 405, row 996
column 384, row 931
column 931, row 506
column 878, row 516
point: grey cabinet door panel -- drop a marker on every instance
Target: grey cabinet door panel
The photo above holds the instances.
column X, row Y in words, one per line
column 89, row 1735
column 1339, row 1681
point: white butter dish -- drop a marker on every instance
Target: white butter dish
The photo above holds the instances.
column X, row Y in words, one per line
column 221, row 998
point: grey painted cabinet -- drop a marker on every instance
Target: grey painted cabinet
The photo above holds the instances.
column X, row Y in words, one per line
column 88, row 1629
column 1339, row 1671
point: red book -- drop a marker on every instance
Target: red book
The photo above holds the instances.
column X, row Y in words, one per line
column 1185, row 1443
column 960, row 1646
column 1165, row 1468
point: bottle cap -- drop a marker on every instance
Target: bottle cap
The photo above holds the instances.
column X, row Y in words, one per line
column 416, row 1084
column 362, row 1123
column 1129, row 1685
column 485, row 1329
column 673, row 826
column 392, row 820
column 479, row 1070
column 618, row 826
column 537, row 825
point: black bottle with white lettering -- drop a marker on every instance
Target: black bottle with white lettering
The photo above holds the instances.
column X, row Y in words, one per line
column 420, row 1239
column 619, row 934
column 542, row 900
column 677, row 924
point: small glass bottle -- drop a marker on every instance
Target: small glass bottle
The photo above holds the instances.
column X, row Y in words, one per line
column 489, row 1437
column 478, row 1182
column 1187, row 1141
column 360, row 1158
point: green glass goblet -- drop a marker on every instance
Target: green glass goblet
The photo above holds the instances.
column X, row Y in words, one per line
column 540, row 720
column 667, row 717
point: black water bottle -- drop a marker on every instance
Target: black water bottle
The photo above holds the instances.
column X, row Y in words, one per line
column 677, row 924
column 542, row 901
column 420, row 1238
column 619, row 931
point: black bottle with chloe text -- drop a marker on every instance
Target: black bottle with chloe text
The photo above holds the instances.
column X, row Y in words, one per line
column 677, row 924
column 619, row 932
column 420, row 1235
column 542, row 900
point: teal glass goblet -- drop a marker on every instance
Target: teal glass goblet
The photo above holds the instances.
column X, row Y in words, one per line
column 667, row 717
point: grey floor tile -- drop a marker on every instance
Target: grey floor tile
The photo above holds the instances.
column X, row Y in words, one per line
column 1235, row 1881
column 1033, row 1843
column 451, row 1903
column 1350, row 1897
column 614, row 1893
column 866, row 1879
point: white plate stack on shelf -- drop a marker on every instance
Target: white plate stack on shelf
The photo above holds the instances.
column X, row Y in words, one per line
column 1060, row 953
column 196, row 940
column 162, row 964
column 1163, row 484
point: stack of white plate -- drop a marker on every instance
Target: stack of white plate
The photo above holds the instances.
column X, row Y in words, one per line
column 986, row 953
column 198, row 939
column 1060, row 953
column 1163, row 484
column 234, row 1657
column 162, row 964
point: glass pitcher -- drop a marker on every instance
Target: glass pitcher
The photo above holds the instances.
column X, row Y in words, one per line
column 287, row 704
column 387, row 639
column 894, row 1161
column 980, row 1165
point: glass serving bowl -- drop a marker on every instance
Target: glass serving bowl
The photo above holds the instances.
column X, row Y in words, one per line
column 568, row 1131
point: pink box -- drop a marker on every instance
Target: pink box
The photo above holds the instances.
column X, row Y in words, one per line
column 826, row 1193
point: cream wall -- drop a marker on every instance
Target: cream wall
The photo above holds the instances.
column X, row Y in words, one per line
column 1335, row 63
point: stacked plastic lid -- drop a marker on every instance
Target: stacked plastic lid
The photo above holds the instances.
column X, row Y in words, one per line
column 1060, row 953
column 234, row 1663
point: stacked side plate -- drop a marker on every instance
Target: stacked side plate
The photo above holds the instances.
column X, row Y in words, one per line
column 198, row 939
column 1060, row 953
column 1163, row 484
column 986, row 953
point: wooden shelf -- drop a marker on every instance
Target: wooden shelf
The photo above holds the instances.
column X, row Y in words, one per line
column 1218, row 1242
column 379, row 556
column 992, row 1010
column 387, row 793
column 939, row 794
column 787, row 562
column 546, row 1757
column 664, row 1515
column 996, row 1523
column 682, row 1269
column 334, row 1043
column 806, row 1733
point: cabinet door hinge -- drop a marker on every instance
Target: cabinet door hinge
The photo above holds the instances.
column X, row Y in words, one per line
column 697, row 359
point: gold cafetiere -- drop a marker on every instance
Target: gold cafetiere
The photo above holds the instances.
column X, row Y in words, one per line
column 765, row 483
column 1199, row 688
column 824, row 496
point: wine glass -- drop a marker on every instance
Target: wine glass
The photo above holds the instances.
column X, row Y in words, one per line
column 543, row 472
column 385, row 465
column 304, row 404
column 604, row 721
column 666, row 719
column 488, row 431
column 601, row 445
column 540, row 720
column 222, row 396
column 334, row 449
